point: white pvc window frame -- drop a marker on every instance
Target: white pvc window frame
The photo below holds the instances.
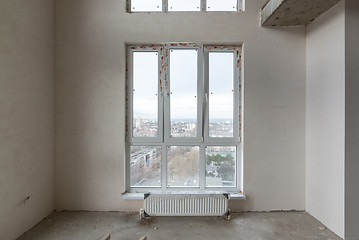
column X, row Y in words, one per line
column 163, row 139
column 167, row 99
column 203, row 8
column 236, row 93
column 130, row 89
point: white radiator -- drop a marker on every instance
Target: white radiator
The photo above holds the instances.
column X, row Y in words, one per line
column 185, row 205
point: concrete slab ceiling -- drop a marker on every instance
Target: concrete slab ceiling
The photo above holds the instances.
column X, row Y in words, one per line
column 294, row 12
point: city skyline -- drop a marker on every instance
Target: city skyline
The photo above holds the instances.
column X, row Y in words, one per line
column 149, row 128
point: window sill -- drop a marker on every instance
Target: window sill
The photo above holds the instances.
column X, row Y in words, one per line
column 141, row 196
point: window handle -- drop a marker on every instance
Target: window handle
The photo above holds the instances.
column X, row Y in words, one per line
column 206, row 96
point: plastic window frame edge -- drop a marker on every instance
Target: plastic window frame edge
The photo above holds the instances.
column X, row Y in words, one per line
column 129, row 82
column 237, row 106
column 163, row 9
column 236, row 94
column 167, row 94
column 163, row 67
column 239, row 8
column 203, row 8
column 141, row 141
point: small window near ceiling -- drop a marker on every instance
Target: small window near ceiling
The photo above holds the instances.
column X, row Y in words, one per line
column 222, row 5
column 146, row 5
column 184, row 5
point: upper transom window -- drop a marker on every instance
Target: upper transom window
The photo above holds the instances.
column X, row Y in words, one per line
column 185, row 5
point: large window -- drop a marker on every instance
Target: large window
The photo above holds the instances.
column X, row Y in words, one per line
column 183, row 118
column 185, row 5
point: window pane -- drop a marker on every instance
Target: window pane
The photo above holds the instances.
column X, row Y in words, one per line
column 221, row 166
column 145, row 94
column 222, row 5
column 184, row 5
column 146, row 5
column 183, row 78
column 145, row 166
column 221, row 94
column 183, row 166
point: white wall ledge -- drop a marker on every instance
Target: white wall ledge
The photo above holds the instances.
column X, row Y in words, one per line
column 140, row 196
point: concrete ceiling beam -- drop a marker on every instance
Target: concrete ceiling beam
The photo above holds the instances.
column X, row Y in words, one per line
column 293, row 12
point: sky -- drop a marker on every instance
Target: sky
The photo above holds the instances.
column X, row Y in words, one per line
column 183, row 84
column 145, row 75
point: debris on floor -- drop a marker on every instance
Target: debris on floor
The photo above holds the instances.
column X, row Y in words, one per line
column 143, row 238
column 243, row 226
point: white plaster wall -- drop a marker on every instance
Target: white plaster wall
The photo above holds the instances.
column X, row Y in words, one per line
column 352, row 120
column 325, row 118
column 26, row 114
column 90, row 105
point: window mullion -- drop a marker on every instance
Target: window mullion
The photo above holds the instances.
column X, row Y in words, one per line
column 166, row 113
column 202, row 167
column 166, row 95
column 201, row 117
column 236, row 95
column 206, row 97
column 164, row 167
column 200, row 94
column 203, row 5
column 128, row 6
column 164, row 5
column 240, row 5
column 239, row 167
column 127, row 165
column 161, row 109
column 129, row 123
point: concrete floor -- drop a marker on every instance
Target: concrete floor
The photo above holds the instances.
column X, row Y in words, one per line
column 246, row 226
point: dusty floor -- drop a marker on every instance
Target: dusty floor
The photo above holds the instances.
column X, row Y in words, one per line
column 246, row 226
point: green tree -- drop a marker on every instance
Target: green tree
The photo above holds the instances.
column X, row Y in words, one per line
column 224, row 164
column 217, row 159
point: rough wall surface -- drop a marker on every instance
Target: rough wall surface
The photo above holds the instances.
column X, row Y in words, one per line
column 90, row 71
column 325, row 118
column 294, row 12
column 351, row 120
column 26, row 114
